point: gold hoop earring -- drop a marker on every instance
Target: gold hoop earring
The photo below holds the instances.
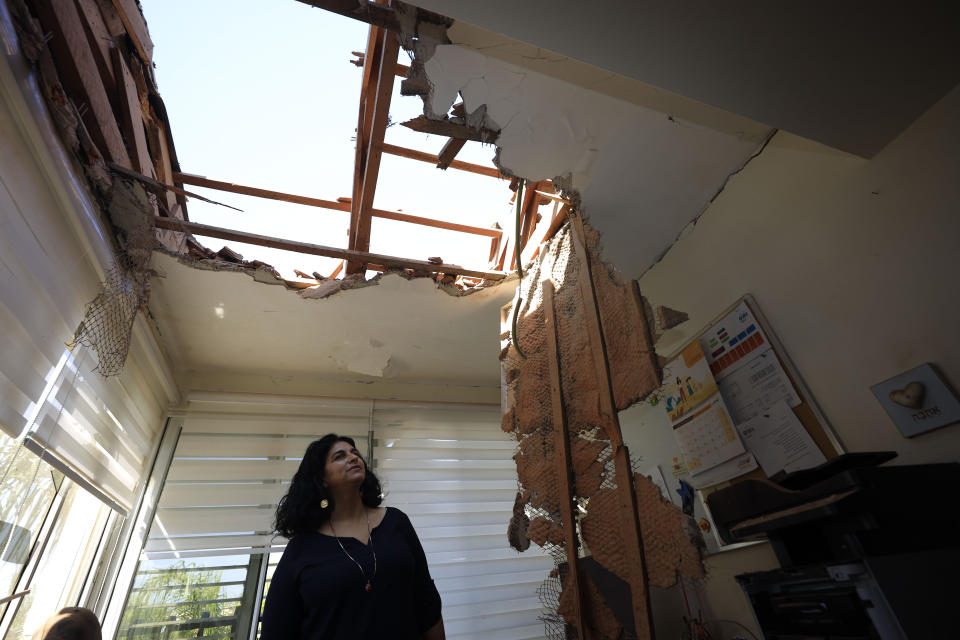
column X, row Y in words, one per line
column 324, row 503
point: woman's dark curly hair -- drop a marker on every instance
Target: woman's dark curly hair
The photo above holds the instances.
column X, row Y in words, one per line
column 299, row 510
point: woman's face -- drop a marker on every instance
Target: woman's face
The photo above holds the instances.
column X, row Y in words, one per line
column 344, row 466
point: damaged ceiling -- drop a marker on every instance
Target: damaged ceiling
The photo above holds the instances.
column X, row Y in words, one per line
column 642, row 174
column 642, row 163
column 215, row 316
column 852, row 75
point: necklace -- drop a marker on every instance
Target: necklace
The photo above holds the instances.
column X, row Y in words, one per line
column 368, row 586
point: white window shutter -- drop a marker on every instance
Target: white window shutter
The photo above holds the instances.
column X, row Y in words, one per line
column 450, row 469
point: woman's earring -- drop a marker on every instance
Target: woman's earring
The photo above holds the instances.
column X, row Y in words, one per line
column 324, row 503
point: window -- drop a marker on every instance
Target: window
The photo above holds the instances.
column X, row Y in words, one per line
column 66, row 560
column 211, row 597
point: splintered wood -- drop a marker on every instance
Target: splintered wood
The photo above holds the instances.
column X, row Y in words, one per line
column 96, row 73
column 580, row 325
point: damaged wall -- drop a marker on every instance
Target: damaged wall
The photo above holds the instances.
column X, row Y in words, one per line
column 852, row 262
column 553, row 386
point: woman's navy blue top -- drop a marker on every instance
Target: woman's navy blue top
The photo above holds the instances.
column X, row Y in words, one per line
column 318, row 593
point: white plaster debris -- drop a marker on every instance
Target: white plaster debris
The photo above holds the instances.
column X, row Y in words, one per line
column 355, row 354
column 642, row 176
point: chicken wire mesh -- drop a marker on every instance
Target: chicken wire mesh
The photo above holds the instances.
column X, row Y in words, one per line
column 107, row 324
column 528, row 415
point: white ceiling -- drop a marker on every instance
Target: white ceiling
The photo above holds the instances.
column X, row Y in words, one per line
column 642, row 174
column 396, row 329
column 852, row 75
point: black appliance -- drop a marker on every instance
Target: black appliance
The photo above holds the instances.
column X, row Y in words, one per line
column 867, row 552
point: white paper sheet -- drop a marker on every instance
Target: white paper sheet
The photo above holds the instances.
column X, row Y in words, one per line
column 759, row 383
column 725, row 471
column 779, row 441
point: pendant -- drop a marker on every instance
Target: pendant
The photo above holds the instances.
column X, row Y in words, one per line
column 369, row 586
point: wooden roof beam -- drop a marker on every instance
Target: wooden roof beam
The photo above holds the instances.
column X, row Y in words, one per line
column 374, row 114
column 339, row 205
column 362, row 257
column 449, row 152
column 451, row 129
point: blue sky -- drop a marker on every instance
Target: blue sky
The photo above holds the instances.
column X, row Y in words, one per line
column 261, row 93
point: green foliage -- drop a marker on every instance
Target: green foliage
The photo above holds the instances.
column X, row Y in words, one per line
column 180, row 593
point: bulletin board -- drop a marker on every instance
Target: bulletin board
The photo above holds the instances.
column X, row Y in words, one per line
column 658, row 453
column 807, row 410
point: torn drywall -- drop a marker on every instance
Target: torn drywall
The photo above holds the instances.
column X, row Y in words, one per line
column 641, row 175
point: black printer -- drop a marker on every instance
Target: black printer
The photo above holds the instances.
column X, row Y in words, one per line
column 866, row 551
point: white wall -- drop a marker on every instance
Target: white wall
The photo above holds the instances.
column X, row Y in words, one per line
column 850, row 74
column 854, row 263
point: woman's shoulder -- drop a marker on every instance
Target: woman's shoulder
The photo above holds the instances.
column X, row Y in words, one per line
column 396, row 517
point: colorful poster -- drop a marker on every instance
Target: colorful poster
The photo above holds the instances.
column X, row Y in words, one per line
column 728, row 342
column 687, row 383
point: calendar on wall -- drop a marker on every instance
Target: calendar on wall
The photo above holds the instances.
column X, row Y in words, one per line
column 700, row 419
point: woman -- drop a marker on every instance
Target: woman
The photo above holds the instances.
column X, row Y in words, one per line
column 352, row 569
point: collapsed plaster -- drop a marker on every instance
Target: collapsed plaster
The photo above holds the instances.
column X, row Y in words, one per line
column 640, row 175
column 215, row 316
column 318, row 287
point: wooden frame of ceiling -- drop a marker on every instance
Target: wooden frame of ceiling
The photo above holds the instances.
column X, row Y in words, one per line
column 101, row 50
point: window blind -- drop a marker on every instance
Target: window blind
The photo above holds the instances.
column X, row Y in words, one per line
column 34, row 324
column 52, row 256
column 104, row 430
column 450, row 468
column 233, row 463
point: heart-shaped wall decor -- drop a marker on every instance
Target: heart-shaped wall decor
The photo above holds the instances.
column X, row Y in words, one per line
column 910, row 396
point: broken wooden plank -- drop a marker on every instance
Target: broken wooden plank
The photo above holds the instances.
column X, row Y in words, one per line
column 156, row 184
column 561, row 439
column 111, row 19
column 531, row 207
column 377, row 14
column 449, row 152
column 450, row 129
column 363, row 257
column 373, row 14
column 423, row 156
column 342, row 204
column 136, row 28
column 131, row 118
column 81, row 76
column 101, row 42
column 557, row 221
column 401, row 71
column 633, row 540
